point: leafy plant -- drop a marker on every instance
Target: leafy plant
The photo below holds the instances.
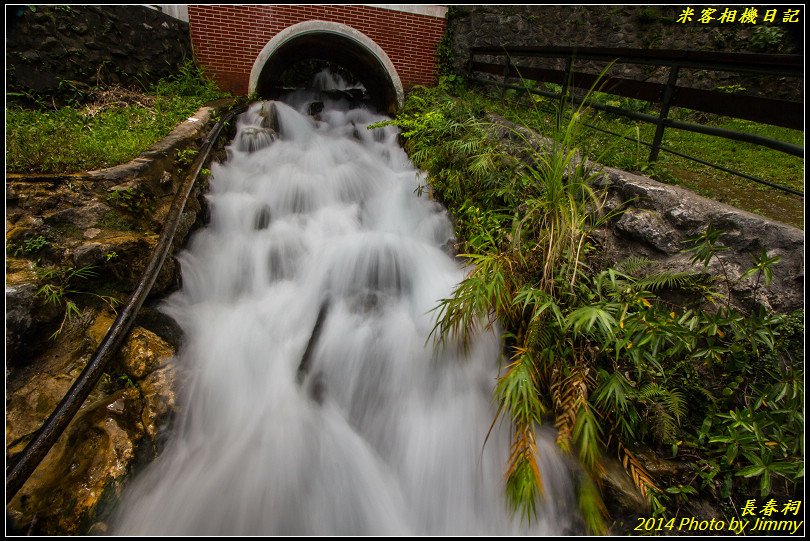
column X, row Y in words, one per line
column 603, row 354
column 32, row 245
column 60, row 290
column 766, row 37
column 131, row 200
column 186, row 156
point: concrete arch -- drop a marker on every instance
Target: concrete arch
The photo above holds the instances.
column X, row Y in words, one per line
column 331, row 41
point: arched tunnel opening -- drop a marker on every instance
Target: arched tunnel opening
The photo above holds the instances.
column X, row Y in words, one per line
column 294, row 63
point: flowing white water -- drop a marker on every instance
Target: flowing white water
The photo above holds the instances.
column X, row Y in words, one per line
column 385, row 433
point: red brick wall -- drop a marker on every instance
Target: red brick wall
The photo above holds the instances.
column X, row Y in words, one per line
column 228, row 38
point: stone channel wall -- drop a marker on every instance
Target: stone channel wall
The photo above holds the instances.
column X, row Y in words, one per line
column 56, row 50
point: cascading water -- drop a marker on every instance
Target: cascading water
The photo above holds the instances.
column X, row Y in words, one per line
column 361, row 426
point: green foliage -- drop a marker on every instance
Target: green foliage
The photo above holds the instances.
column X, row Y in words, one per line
column 134, row 201
column 606, row 354
column 756, row 431
column 730, row 89
column 190, row 81
column 629, row 153
column 648, row 15
column 60, row 290
column 767, row 38
column 186, row 156
column 444, row 53
column 31, row 246
column 75, row 138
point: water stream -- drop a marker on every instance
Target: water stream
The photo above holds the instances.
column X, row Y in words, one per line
column 378, row 432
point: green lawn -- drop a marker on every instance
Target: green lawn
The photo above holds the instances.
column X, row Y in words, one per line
column 113, row 128
column 761, row 162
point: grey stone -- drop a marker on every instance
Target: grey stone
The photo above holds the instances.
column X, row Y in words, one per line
column 649, row 228
column 684, row 217
column 20, row 302
column 90, row 253
column 82, row 217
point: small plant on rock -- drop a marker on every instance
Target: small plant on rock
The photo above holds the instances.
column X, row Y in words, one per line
column 61, row 290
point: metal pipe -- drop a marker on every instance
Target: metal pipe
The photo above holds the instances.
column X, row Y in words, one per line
column 26, row 462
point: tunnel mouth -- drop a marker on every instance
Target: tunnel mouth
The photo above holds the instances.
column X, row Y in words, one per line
column 297, row 53
column 300, row 75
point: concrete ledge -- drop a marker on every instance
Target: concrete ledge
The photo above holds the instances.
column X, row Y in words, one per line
column 418, row 9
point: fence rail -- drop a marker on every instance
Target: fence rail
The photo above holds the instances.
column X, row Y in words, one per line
column 775, row 112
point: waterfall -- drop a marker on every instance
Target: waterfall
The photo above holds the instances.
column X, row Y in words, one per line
column 322, row 246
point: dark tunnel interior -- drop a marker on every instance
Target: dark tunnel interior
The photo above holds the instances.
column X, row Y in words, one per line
column 328, row 49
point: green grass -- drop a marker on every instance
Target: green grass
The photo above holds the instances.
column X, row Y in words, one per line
column 761, row 162
column 81, row 137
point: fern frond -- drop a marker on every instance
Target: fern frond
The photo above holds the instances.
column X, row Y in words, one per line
column 673, row 400
column 668, row 280
column 517, row 392
column 632, row 265
column 524, row 483
column 587, row 434
column 569, row 393
column 638, row 473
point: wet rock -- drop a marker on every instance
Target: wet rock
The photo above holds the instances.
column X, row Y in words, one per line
column 19, row 271
column 88, row 463
column 83, row 217
column 253, row 139
column 86, row 468
column 90, row 253
column 315, row 108
column 161, row 324
column 159, row 399
column 27, row 227
column 28, row 317
column 99, row 528
column 98, row 329
column 662, row 468
column 20, row 302
column 269, row 115
column 144, row 352
column 620, row 492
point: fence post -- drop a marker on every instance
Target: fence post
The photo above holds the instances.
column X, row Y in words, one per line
column 564, row 91
column 506, row 64
column 669, row 91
